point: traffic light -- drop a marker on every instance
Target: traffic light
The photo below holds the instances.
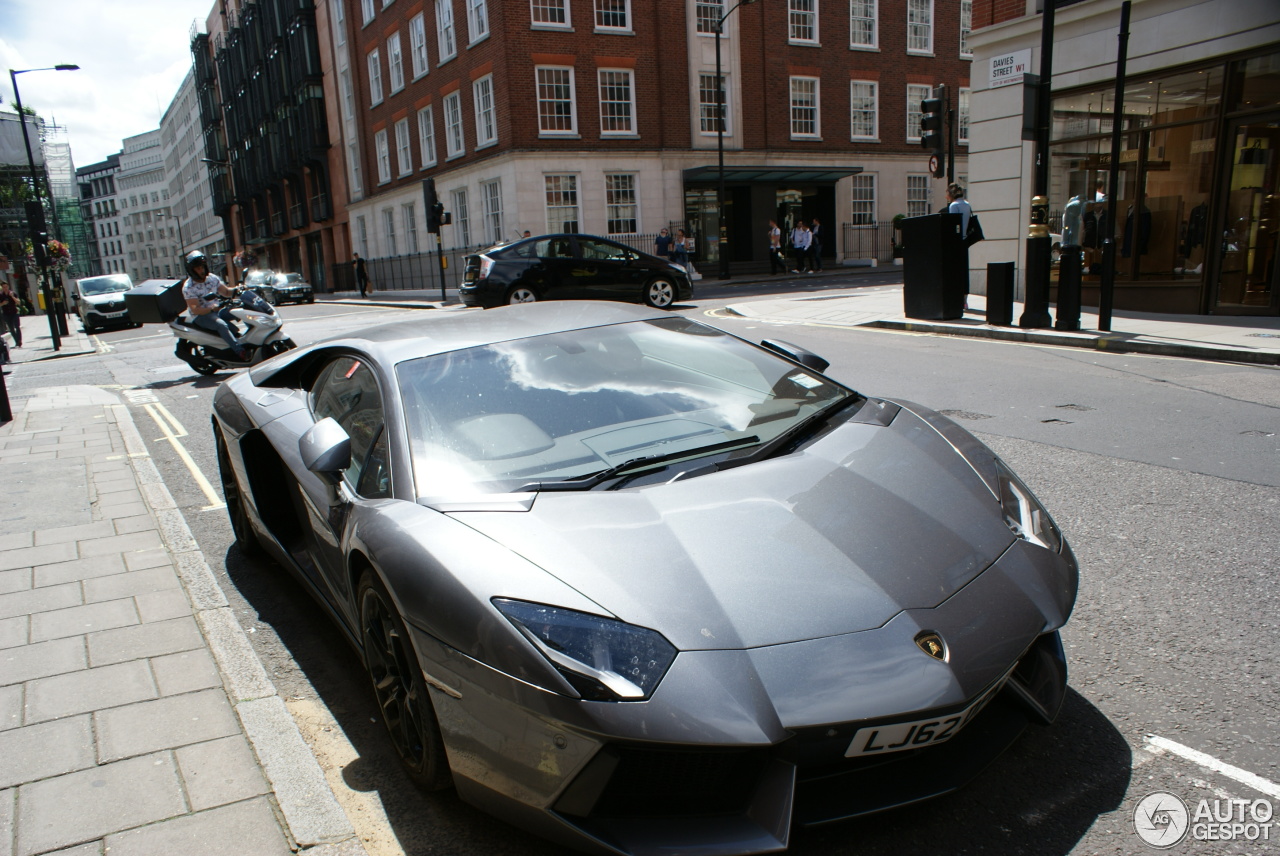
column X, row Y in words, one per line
column 436, row 215
column 933, row 112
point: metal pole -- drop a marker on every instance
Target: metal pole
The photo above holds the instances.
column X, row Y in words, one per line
column 35, row 188
column 1036, row 306
column 1106, row 292
column 720, row 194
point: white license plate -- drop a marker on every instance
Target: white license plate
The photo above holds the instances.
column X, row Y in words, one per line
column 114, row 314
column 900, row 736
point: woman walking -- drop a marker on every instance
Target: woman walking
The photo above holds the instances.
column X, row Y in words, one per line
column 10, row 310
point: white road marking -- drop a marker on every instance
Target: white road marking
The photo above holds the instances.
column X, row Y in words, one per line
column 173, row 430
column 1244, row 777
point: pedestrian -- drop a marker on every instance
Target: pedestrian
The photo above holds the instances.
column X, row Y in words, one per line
column 777, row 264
column 680, row 249
column 662, row 244
column 199, row 290
column 11, row 310
column 957, row 204
column 362, row 276
column 815, row 245
column 800, row 246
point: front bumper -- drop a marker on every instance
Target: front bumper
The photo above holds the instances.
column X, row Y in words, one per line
column 735, row 746
column 105, row 314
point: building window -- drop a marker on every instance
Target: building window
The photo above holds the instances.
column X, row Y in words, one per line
column 375, row 79
column 404, row 155
column 708, row 14
column 549, row 13
column 461, row 220
column 362, row 236
column 804, row 107
column 915, row 94
column 707, row 107
column 863, row 212
column 620, row 203
column 389, row 230
column 491, row 199
column 920, row 26
column 353, row 165
column 384, row 156
column 410, row 228
column 562, row 203
column 339, row 20
column 556, row 114
column 962, row 116
column 453, row 144
column 348, row 96
column 395, row 62
column 802, row 21
column 863, row 110
column 918, row 195
column 966, row 27
column 444, row 30
column 613, row 15
column 418, row 45
column 427, row 136
column 366, row 11
column 477, row 20
column 486, row 124
column 617, row 110
column 863, row 32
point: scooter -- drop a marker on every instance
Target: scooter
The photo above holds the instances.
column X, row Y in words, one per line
column 207, row 353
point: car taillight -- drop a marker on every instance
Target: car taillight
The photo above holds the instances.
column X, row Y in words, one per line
column 486, row 265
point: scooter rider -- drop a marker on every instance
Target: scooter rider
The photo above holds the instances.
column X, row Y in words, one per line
column 204, row 310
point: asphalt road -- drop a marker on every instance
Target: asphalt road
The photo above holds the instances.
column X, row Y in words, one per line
column 1163, row 473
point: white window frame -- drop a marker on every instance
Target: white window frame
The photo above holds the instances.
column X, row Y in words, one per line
column 366, row 12
column 915, row 94
column 491, row 204
column 962, row 115
column 707, row 16
column 389, row 231
column 477, row 20
column 454, row 142
column 858, row 12
column 549, row 11
column 427, row 135
column 461, row 218
column 802, row 16
column 446, row 37
column 966, row 28
column 353, row 167
column 621, row 202
column 486, row 116
column 861, row 103
column 348, row 95
column 816, row 107
column 538, row 72
column 630, row 118
column 707, row 109
column 418, row 45
column 395, row 62
column 919, row 185
column 404, row 150
column 920, row 20
column 560, row 187
column 862, row 210
column 338, row 13
column 410, row 215
column 383, row 153
column 601, row 8
column 375, row 78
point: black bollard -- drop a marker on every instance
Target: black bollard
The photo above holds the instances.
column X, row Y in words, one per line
column 1000, row 293
column 1069, row 272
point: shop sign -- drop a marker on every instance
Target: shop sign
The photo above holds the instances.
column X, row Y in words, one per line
column 1008, row 69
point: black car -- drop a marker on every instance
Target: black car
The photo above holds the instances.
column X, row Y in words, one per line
column 277, row 288
column 567, row 267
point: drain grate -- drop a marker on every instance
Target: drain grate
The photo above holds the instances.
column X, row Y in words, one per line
column 964, row 414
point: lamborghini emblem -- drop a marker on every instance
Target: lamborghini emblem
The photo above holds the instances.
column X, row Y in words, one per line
column 931, row 643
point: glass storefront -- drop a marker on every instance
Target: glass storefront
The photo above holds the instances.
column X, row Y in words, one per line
column 1197, row 161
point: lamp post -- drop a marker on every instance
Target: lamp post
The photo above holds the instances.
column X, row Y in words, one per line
column 35, row 189
column 231, row 236
column 720, row 193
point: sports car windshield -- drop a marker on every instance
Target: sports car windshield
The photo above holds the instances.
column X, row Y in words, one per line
column 558, row 408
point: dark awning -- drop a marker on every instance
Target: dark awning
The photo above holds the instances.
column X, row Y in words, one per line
column 771, row 174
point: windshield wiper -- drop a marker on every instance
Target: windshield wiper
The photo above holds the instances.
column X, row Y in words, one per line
column 791, row 436
column 591, row 480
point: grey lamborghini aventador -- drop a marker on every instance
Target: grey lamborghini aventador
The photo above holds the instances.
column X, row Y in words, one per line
column 641, row 586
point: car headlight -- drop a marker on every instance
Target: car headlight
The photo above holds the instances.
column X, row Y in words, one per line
column 1023, row 513
column 602, row 658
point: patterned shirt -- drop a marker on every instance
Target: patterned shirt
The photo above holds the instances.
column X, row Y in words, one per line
column 198, row 290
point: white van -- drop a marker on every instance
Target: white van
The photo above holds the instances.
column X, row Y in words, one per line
column 100, row 301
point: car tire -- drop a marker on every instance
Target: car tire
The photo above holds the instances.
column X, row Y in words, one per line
column 241, row 528
column 187, row 353
column 660, row 294
column 399, row 687
column 521, row 294
column 270, row 296
column 311, row 298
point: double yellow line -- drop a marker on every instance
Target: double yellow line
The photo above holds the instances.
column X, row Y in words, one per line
column 173, row 432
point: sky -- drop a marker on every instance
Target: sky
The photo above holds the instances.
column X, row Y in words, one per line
column 133, row 56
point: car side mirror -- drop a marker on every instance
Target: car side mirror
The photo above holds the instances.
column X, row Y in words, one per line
column 326, row 451
column 797, row 354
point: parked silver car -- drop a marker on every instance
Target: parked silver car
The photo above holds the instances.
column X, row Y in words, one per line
column 643, row 587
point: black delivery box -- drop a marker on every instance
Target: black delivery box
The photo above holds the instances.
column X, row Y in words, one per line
column 155, row 301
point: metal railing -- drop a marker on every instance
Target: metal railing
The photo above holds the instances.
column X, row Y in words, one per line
column 869, row 241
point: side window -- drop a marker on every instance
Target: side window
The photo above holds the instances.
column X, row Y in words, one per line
column 348, row 391
column 600, row 250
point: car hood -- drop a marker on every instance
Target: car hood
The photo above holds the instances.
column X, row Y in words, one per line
column 860, row 525
column 95, row 299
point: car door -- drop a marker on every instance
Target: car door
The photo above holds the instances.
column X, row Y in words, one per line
column 609, row 271
column 347, row 390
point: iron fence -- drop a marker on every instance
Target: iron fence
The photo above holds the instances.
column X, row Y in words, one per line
column 869, row 241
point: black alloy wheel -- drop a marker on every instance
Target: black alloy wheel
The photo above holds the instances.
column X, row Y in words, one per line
column 194, row 357
column 399, row 687
column 246, row 539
